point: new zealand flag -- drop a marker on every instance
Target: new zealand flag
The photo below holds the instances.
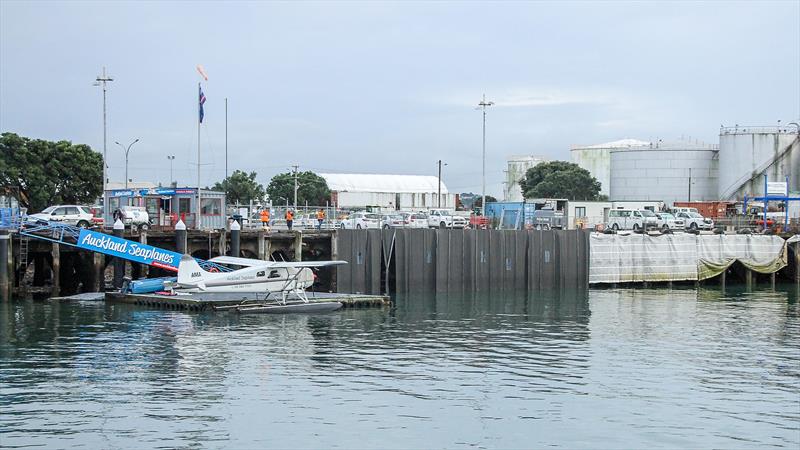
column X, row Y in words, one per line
column 201, row 100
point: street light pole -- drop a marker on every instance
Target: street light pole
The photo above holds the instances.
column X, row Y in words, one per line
column 482, row 105
column 295, row 186
column 171, row 158
column 102, row 80
column 440, row 184
column 127, row 150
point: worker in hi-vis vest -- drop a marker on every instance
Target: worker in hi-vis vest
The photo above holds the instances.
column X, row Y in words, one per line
column 265, row 218
column 320, row 218
column 289, row 218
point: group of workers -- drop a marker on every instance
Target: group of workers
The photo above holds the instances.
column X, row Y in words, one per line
column 290, row 218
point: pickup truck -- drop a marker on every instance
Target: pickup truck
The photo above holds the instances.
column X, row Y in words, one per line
column 443, row 218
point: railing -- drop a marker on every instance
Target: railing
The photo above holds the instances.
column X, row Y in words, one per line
column 61, row 233
column 740, row 129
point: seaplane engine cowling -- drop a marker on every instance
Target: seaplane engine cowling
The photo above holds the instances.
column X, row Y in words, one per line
column 305, row 278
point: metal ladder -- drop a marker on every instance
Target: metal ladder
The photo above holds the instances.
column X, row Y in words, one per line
column 24, row 242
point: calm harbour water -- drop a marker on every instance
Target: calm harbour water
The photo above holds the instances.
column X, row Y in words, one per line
column 607, row 368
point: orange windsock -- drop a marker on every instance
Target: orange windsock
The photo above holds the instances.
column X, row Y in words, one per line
column 202, row 72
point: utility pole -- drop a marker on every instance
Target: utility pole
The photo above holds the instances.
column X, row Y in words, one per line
column 102, row 80
column 482, row 105
column 295, row 186
column 690, row 184
column 440, row 184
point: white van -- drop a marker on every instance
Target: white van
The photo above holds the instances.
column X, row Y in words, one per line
column 631, row 219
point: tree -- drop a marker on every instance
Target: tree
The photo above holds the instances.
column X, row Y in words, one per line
column 48, row 173
column 240, row 188
column 312, row 189
column 560, row 179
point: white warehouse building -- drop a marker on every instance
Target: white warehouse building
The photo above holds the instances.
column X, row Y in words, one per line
column 398, row 192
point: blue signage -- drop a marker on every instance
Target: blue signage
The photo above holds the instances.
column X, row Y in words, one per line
column 122, row 193
column 130, row 250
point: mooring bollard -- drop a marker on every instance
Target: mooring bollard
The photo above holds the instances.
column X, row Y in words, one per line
column 5, row 239
column 119, row 263
column 180, row 237
column 235, row 238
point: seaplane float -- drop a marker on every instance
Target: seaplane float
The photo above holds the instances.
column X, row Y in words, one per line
column 267, row 285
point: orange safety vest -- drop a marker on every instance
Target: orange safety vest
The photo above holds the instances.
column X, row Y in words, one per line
column 289, row 215
column 264, row 215
column 320, row 215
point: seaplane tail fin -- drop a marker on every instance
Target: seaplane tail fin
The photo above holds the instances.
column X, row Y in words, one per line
column 190, row 273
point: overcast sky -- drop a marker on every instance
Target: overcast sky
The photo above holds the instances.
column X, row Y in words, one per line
column 381, row 87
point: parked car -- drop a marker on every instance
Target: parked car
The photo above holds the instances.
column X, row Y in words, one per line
column 361, row 220
column 417, row 220
column 305, row 221
column 631, row 219
column 76, row 215
column 694, row 221
column 393, row 221
column 136, row 217
column 444, row 218
column 546, row 219
column 667, row 221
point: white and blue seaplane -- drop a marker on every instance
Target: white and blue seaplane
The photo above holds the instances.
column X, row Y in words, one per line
column 257, row 277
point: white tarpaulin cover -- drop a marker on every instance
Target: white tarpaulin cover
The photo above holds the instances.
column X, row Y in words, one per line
column 618, row 258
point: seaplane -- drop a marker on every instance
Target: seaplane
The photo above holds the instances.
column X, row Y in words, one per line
column 255, row 276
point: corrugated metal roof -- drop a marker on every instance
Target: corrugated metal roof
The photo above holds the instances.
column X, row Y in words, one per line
column 358, row 182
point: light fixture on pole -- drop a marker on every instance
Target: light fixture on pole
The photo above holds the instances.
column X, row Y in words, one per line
column 127, row 150
column 171, row 158
column 102, row 80
column 440, row 184
column 482, row 105
column 295, row 186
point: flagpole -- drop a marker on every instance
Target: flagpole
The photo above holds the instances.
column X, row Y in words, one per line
column 199, row 105
column 226, row 137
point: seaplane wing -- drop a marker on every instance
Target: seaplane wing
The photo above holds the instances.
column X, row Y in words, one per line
column 249, row 262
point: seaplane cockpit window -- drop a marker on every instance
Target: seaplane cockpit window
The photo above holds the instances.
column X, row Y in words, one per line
column 274, row 274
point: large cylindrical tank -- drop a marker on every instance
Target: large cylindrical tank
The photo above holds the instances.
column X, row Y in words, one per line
column 518, row 166
column 668, row 173
column 746, row 154
column 597, row 159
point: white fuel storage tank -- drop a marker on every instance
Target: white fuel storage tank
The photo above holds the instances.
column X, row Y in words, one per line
column 668, row 172
column 746, row 154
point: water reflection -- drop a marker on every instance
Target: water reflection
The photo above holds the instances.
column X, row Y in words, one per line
column 660, row 368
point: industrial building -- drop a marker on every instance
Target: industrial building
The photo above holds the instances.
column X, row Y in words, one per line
column 668, row 172
column 518, row 165
column 167, row 205
column 406, row 192
column 746, row 154
column 597, row 159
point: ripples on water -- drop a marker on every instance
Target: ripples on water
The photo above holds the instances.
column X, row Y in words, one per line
column 611, row 368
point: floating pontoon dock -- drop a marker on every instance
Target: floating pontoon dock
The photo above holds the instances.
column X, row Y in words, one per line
column 207, row 301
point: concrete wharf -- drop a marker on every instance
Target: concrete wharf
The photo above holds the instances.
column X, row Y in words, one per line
column 381, row 262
